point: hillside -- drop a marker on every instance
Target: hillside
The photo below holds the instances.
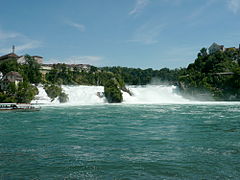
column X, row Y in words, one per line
column 215, row 74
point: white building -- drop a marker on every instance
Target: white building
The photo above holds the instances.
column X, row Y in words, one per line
column 215, row 48
column 22, row 59
column 11, row 77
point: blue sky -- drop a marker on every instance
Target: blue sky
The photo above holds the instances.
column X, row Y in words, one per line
column 133, row 33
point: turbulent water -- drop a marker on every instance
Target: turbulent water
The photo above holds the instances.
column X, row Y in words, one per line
column 87, row 95
column 162, row 136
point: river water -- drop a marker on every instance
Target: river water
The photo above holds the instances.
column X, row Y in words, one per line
column 127, row 141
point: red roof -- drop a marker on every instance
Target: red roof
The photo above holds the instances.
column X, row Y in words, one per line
column 7, row 56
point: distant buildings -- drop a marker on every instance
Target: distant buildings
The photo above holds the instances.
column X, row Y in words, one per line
column 216, row 47
column 11, row 77
column 8, row 56
column 22, row 59
column 79, row 67
column 44, row 69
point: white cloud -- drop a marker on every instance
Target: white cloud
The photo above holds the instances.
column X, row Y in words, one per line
column 234, row 5
column 139, row 6
column 8, row 35
column 21, row 42
column 92, row 60
column 29, row 45
column 147, row 33
column 22, row 47
column 78, row 26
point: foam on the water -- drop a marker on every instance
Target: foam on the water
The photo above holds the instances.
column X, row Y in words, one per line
column 42, row 97
column 150, row 94
column 153, row 94
column 87, row 95
column 84, row 95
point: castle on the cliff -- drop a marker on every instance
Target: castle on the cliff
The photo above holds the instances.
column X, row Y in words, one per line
column 20, row 59
column 15, row 77
column 45, row 68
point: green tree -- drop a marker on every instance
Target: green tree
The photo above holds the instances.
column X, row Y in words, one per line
column 25, row 92
column 32, row 69
column 112, row 91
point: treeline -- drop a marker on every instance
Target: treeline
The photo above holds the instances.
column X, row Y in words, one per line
column 30, row 71
column 24, row 92
column 63, row 75
column 137, row 76
column 216, row 75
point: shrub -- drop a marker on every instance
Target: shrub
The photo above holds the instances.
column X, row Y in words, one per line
column 112, row 91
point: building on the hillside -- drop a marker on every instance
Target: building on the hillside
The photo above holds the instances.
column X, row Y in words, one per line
column 80, row 67
column 38, row 59
column 22, row 59
column 8, row 57
column 215, row 48
column 11, row 77
column 46, row 68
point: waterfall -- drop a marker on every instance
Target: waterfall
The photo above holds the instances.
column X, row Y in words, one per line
column 153, row 94
column 84, row 95
column 87, row 95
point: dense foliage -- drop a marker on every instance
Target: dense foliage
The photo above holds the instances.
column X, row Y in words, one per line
column 137, row 76
column 63, row 97
column 112, row 91
column 216, row 75
column 55, row 91
column 23, row 93
column 30, row 71
column 62, row 74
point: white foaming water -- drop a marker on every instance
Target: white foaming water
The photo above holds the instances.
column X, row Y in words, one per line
column 84, row 95
column 87, row 95
column 153, row 94
column 42, row 97
column 78, row 95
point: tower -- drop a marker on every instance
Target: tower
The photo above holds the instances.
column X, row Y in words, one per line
column 13, row 49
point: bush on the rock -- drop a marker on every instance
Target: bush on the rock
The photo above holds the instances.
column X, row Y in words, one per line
column 112, row 91
column 63, row 97
column 54, row 91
